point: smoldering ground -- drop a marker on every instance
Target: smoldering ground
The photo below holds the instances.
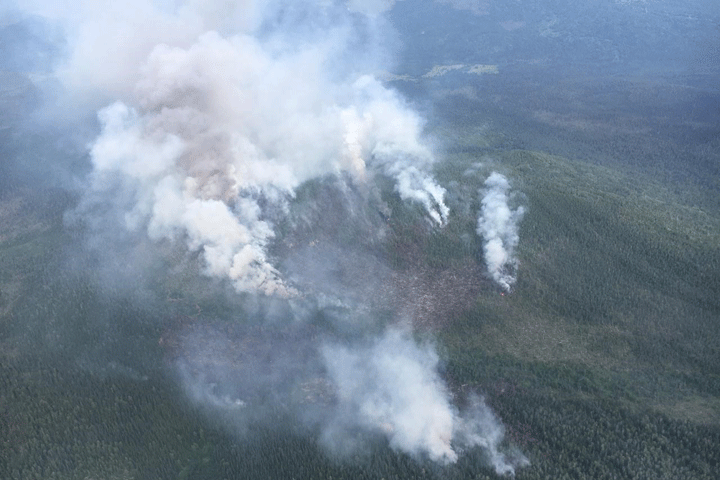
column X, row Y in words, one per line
column 210, row 127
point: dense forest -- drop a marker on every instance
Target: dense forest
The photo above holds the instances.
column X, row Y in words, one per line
column 123, row 359
column 602, row 363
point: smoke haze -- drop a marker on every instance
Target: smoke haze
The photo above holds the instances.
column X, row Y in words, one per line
column 210, row 120
column 210, row 124
column 354, row 392
column 235, row 225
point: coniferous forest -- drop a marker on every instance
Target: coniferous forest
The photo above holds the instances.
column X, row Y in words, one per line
column 600, row 360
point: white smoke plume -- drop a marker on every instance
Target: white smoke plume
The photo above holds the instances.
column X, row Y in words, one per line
column 498, row 225
column 209, row 127
column 213, row 114
column 392, row 387
column 388, row 387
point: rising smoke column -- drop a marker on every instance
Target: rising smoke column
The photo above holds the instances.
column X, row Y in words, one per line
column 498, row 225
column 210, row 127
column 211, row 119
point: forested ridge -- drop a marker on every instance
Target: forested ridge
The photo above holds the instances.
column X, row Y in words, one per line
column 582, row 363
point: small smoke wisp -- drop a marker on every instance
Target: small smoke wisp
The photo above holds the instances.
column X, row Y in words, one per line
column 498, row 226
column 479, row 427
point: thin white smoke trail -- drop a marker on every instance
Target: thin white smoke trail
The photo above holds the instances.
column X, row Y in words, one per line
column 498, row 226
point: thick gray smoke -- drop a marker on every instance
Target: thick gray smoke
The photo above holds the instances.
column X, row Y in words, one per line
column 211, row 116
column 498, row 225
column 215, row 110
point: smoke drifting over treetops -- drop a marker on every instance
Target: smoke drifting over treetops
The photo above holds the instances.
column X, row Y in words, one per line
column 212, row 116
column 498, row 225
column 392, row 386
column 352, row 393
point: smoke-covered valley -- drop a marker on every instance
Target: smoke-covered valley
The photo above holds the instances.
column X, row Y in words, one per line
column 323, row 238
